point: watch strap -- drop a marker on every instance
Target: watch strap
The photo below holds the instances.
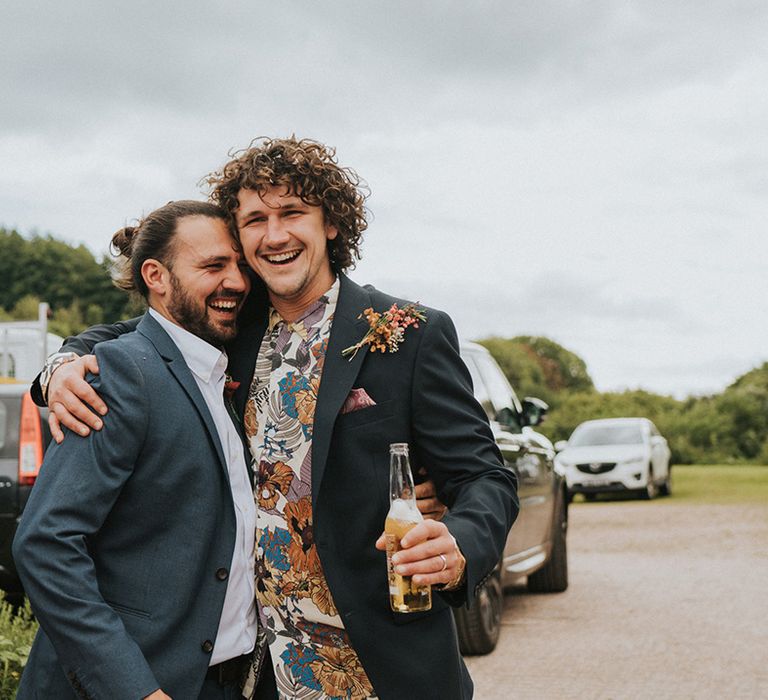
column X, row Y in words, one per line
column 52, row 363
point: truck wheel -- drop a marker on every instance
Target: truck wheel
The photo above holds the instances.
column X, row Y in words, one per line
column 553, row 576
column 479, row 625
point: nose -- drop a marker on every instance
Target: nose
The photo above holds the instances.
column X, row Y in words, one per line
column 277, row 233
column 236, row 280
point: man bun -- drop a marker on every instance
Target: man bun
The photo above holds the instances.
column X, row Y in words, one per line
column 122, row 241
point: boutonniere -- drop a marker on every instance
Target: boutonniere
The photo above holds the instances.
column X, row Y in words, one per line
column 386, row 329
column 230, row 387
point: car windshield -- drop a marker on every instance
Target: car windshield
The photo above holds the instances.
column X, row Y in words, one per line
column 606, row 435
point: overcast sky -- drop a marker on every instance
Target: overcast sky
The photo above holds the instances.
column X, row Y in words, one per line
column 595, row 172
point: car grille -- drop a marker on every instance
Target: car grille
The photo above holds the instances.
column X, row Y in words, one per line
column 596, row 467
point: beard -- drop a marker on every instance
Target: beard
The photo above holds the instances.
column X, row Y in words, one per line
column 194, row 316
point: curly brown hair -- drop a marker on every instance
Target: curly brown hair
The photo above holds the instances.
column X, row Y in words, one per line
column 309, row 170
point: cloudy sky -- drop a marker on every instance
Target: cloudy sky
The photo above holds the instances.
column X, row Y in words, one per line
column 596, row 172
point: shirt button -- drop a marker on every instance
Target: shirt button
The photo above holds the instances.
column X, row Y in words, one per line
column 207, row 646
column 222, row 574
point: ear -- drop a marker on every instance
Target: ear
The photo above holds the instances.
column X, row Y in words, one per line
column 331, row 232
column 156, row 276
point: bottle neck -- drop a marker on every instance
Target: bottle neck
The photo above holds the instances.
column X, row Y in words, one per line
column 400, row 477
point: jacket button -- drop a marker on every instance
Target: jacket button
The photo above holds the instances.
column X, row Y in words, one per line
column 207, row 646
column 222, row 574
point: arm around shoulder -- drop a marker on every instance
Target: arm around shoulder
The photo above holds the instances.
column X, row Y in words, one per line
column 80, row 344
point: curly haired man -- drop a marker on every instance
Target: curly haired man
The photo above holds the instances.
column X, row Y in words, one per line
column 319, row 423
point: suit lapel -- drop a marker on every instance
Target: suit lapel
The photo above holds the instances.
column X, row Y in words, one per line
column 242, row 353
column 168, row 350
column 339, row 373
column 244, row 349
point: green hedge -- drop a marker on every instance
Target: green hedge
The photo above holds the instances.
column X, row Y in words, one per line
column 17, row 631
column 725, row 428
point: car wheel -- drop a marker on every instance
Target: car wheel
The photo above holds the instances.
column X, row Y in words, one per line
column 666, row 487
column 650, row 491
column 553, row 576
column 479, row 626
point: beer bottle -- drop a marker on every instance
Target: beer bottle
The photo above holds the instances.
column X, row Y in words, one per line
column 403, row 515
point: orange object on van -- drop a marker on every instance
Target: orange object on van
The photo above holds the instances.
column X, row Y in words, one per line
column 30, row 442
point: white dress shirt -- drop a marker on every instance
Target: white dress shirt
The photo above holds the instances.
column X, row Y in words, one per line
column 237, row 627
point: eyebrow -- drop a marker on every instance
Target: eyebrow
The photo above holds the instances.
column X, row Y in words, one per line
column 293, row 203
column 212, row 259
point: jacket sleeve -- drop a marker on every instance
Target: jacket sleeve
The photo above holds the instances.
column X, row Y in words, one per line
column 79, row 482
column 454, row 441
column 83, row 344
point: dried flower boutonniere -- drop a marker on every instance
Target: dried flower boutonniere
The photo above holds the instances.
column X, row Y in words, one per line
column 387, row 329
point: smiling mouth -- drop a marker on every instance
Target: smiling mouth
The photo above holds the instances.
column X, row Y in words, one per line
column 282, row 258
column 224, row 305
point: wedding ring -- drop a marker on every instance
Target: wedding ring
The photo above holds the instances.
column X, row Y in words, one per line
column 445, row 562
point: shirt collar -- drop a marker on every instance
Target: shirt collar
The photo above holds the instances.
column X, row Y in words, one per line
column 328, row 299
column 207, row 362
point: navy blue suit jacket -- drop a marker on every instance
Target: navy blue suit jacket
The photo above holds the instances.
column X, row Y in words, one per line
column 128, row 534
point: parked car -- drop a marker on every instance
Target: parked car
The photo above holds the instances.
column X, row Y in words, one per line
column 24, row 435
column 536, row 545
column 616, row 455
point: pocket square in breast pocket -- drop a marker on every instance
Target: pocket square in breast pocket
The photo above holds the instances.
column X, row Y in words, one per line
column 357, row 399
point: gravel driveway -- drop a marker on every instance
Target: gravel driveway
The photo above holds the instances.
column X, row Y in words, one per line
column 665, row 600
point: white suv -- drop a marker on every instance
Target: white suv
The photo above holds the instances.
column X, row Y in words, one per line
column 615, row 455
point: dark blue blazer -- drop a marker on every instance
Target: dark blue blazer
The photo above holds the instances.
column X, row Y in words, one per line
column 127, row 537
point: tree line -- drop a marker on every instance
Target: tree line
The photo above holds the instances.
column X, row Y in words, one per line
column 728, row 427
column 76, row 285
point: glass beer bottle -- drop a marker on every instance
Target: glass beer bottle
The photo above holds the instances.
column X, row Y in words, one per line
column 403, row 515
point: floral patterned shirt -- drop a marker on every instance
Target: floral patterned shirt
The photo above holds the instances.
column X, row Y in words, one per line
column 310, row 649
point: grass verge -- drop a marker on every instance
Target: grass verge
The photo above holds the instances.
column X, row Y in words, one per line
column 709, row 483
column 719, row 483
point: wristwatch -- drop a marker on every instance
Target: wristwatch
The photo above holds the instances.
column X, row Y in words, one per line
column 51, row 365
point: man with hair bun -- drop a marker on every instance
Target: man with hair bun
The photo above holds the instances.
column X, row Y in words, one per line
column 136, row 544
column 330, row 373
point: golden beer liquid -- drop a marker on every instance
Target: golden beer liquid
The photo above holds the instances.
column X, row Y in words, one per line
column 404, row 597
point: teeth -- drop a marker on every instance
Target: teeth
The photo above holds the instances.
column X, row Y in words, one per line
column 282, row 257
column 225, row 305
